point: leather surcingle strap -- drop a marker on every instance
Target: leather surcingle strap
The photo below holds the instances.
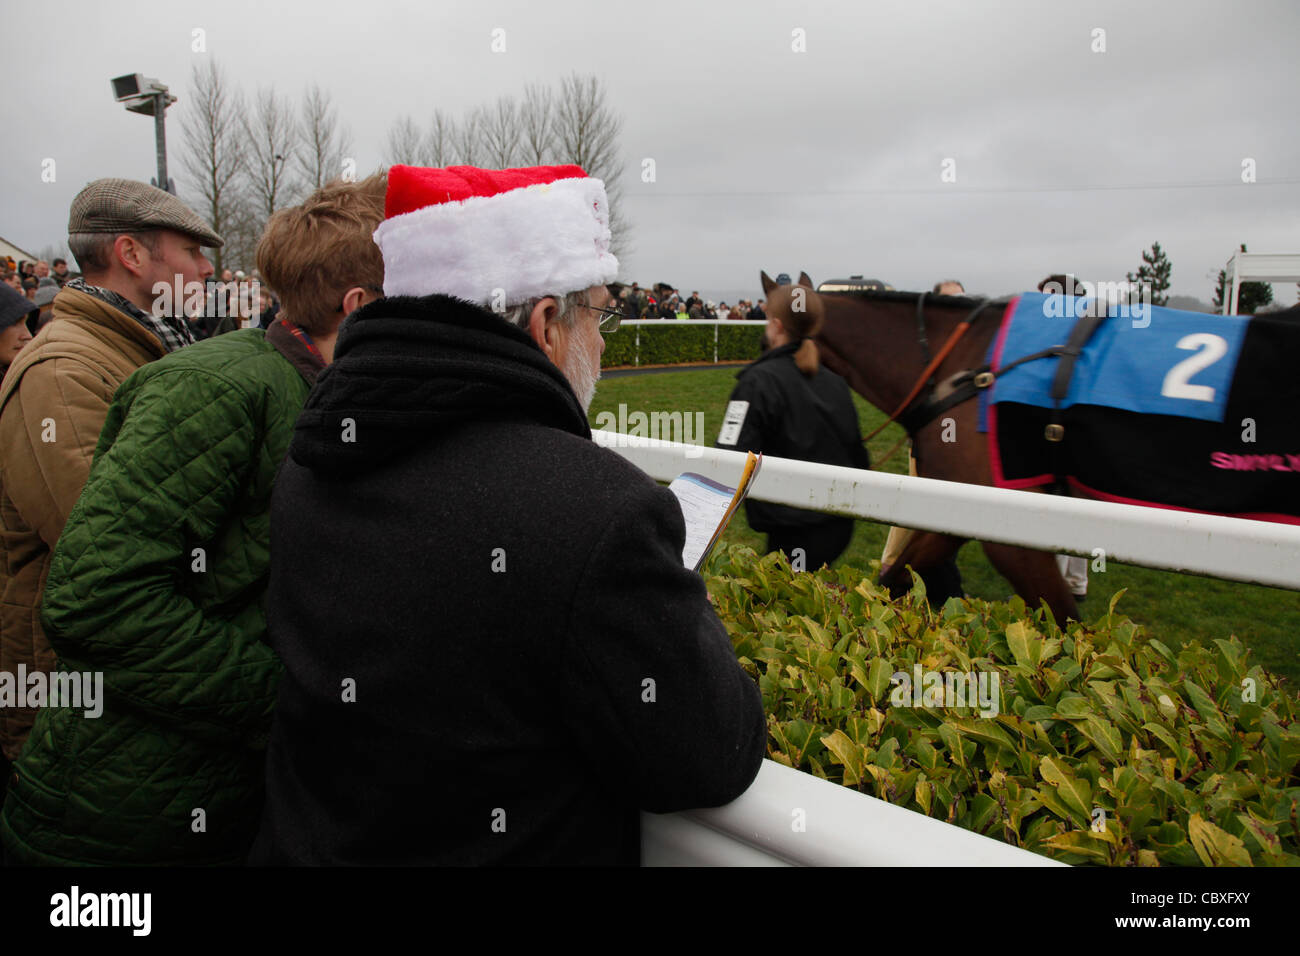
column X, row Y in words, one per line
column 1069, row 354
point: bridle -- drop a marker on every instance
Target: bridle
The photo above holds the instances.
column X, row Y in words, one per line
column 922, row 413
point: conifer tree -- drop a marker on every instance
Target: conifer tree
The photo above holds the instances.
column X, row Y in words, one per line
column 1154, row 272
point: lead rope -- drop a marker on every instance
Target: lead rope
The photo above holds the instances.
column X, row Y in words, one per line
column 930, row 369
column 927, row 373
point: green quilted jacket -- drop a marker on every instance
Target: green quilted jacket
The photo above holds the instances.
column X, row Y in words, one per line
column 158, row 582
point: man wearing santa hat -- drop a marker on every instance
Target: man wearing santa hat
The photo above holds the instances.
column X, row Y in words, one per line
column 492, row 651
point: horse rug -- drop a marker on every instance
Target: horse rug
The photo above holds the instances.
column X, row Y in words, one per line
column 1164, row 408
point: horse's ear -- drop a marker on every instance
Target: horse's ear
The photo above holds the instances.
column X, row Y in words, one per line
column 768, row 284
column 805, row 281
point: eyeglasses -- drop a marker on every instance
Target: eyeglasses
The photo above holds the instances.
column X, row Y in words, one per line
column 610, row 319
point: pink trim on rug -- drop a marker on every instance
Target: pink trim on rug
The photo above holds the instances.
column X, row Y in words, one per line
column 1120, row 499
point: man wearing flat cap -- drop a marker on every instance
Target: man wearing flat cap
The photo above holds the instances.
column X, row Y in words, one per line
column 126, row 237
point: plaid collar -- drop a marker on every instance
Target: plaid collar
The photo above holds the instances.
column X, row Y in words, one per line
column 299, row 333
column 174, row 333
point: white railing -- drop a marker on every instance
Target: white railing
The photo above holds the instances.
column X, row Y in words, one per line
column 788, row 817
column 636, row 325
column 1259, row 552
column 842, row 826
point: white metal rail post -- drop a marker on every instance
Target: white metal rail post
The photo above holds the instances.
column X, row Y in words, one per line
column 1258, row 267
column 1258, row 552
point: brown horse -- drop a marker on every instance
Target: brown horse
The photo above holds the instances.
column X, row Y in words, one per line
column 875, row 342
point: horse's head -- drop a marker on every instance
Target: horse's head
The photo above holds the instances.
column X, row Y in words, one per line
column 797, row 307
column 859, row 341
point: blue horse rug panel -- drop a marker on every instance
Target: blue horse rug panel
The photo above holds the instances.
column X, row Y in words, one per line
column 1167, row 408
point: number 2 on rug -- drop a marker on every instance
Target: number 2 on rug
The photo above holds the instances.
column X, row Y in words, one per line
column 1210, row 348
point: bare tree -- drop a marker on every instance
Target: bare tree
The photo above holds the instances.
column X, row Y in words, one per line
column 586, row 133
column 213, row 157
column 403, row 143
column 270, row 151
column 52, row 251
column 468, row 141
column 501, row 133
column 439, row 141
column 537, row 126
column 243, row 228
column 324, row 141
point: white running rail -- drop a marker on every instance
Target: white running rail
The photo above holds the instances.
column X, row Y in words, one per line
column 1259, row 552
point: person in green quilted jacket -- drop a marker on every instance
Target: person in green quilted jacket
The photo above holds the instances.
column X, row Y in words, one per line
column 159, row 578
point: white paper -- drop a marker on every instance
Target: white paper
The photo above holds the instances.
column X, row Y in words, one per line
column 703, row 504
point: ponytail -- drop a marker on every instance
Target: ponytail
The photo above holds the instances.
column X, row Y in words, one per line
column 807, row 358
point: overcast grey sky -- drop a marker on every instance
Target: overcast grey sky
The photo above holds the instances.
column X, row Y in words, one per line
column 827, row 160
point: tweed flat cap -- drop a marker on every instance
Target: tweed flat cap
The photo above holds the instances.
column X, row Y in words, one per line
column 124, row 205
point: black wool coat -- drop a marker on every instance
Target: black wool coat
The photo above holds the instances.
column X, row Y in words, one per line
column 786, row 414
column 492, row 651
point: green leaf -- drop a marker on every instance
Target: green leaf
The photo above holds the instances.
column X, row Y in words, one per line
column 1104, row 736
column 1075, row 793
column 923, row 791
column 1214, row 846
column 878, row 682
column 1206, row 709
column 1071, row 707
column 849, row 755
column 1024, row 643
column 1085, row 843
column 985, row 731
column 1039, row 712
column 1114, row 600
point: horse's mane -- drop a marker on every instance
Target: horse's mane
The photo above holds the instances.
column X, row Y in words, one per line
column 882, row 295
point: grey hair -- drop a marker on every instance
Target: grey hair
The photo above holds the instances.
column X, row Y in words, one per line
column 569, row 303
column 94, row 250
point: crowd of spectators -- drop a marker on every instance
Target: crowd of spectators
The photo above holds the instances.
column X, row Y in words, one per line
column 236, row 300
column 662, row 301
column 136, row 514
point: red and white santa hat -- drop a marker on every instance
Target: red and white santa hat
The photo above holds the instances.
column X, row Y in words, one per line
column 494, row 235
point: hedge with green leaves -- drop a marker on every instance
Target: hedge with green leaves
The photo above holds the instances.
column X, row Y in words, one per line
column 667, row 344
column 1108, row 747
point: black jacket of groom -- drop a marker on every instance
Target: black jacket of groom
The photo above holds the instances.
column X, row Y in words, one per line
column 493, row 653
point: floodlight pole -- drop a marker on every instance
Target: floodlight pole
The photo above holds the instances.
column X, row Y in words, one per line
column 160, row 137
column 144, row 94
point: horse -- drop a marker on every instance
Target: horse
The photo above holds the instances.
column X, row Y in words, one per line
column 874, row 343
column 921, row 359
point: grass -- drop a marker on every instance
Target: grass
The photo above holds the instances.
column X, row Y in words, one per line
column 1175, row 607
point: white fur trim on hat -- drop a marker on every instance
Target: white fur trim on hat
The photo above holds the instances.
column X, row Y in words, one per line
column 547, row 239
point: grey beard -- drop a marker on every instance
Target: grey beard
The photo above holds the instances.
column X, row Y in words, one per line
column 581, row 378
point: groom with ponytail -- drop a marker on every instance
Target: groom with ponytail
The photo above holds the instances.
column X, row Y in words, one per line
column 788, row 405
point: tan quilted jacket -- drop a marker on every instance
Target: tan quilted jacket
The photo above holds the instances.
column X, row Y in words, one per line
column 53, row 403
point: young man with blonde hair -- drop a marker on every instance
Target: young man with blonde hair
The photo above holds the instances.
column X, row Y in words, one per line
column 159, row 580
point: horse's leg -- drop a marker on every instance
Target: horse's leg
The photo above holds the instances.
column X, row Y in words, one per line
column 924, row 550
column 1034, row 575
